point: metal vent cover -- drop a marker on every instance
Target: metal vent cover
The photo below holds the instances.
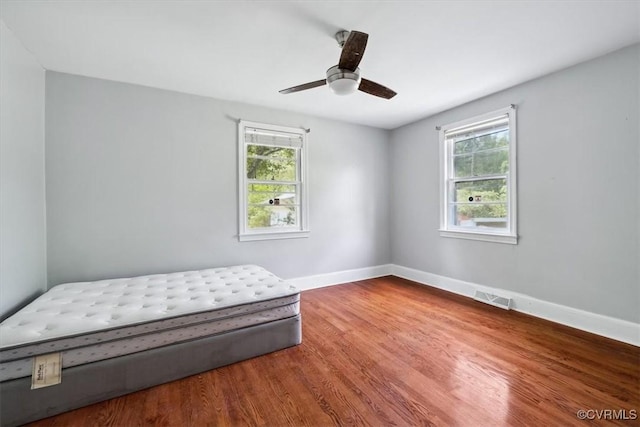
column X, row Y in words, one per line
column 495, row 300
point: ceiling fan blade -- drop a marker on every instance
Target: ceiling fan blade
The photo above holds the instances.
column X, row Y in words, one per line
column 376, row 89
column 305, row 86
column 353, row 50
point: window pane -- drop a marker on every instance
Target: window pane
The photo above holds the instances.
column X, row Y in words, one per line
column 492, row 162
column 463, row 166
column 480, row 215
column 271, row 163
column 271, row 216
column 481, row 191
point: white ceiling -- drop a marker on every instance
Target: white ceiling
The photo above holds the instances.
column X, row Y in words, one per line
column 435, row 54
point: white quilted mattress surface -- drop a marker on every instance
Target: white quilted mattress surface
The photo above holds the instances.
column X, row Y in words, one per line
column 77, row 308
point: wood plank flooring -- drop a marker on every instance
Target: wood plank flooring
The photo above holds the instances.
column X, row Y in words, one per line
column 387, row 352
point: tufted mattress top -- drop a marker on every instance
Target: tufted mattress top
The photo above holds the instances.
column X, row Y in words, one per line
column 77, row 308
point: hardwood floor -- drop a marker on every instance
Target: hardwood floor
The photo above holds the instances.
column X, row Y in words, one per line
column 387, row 352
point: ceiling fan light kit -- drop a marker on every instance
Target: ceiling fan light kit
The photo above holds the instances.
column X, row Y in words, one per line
column 343, row 82
column 344, row 78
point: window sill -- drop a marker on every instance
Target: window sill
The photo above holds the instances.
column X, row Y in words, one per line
column 273, row 236
column 469, row 235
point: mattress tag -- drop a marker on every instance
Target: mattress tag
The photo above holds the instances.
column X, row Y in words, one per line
column 47, row 370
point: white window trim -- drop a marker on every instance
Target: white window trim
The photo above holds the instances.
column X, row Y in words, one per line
column 511, row 236
column 244, row 232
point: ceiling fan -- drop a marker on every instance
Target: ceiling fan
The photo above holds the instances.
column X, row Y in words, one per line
column 344, row 78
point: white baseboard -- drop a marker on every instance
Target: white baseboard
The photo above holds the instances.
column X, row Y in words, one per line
column 609, row 327
column 339, row 277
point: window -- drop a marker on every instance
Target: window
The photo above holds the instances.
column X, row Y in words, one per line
column 478, row 187
column 272, row 182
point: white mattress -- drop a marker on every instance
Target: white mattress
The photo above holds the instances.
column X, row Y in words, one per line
column 92, row 321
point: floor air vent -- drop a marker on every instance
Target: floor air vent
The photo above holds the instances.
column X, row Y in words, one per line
column 496, row 300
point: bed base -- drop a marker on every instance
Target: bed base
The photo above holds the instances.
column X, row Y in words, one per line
column 95, row 382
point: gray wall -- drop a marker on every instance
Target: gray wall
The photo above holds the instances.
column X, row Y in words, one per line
column 578, row 179
column 22, row 208
column 141, row 180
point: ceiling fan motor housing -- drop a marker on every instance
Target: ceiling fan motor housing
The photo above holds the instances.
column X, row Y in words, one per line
column 343, row 82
